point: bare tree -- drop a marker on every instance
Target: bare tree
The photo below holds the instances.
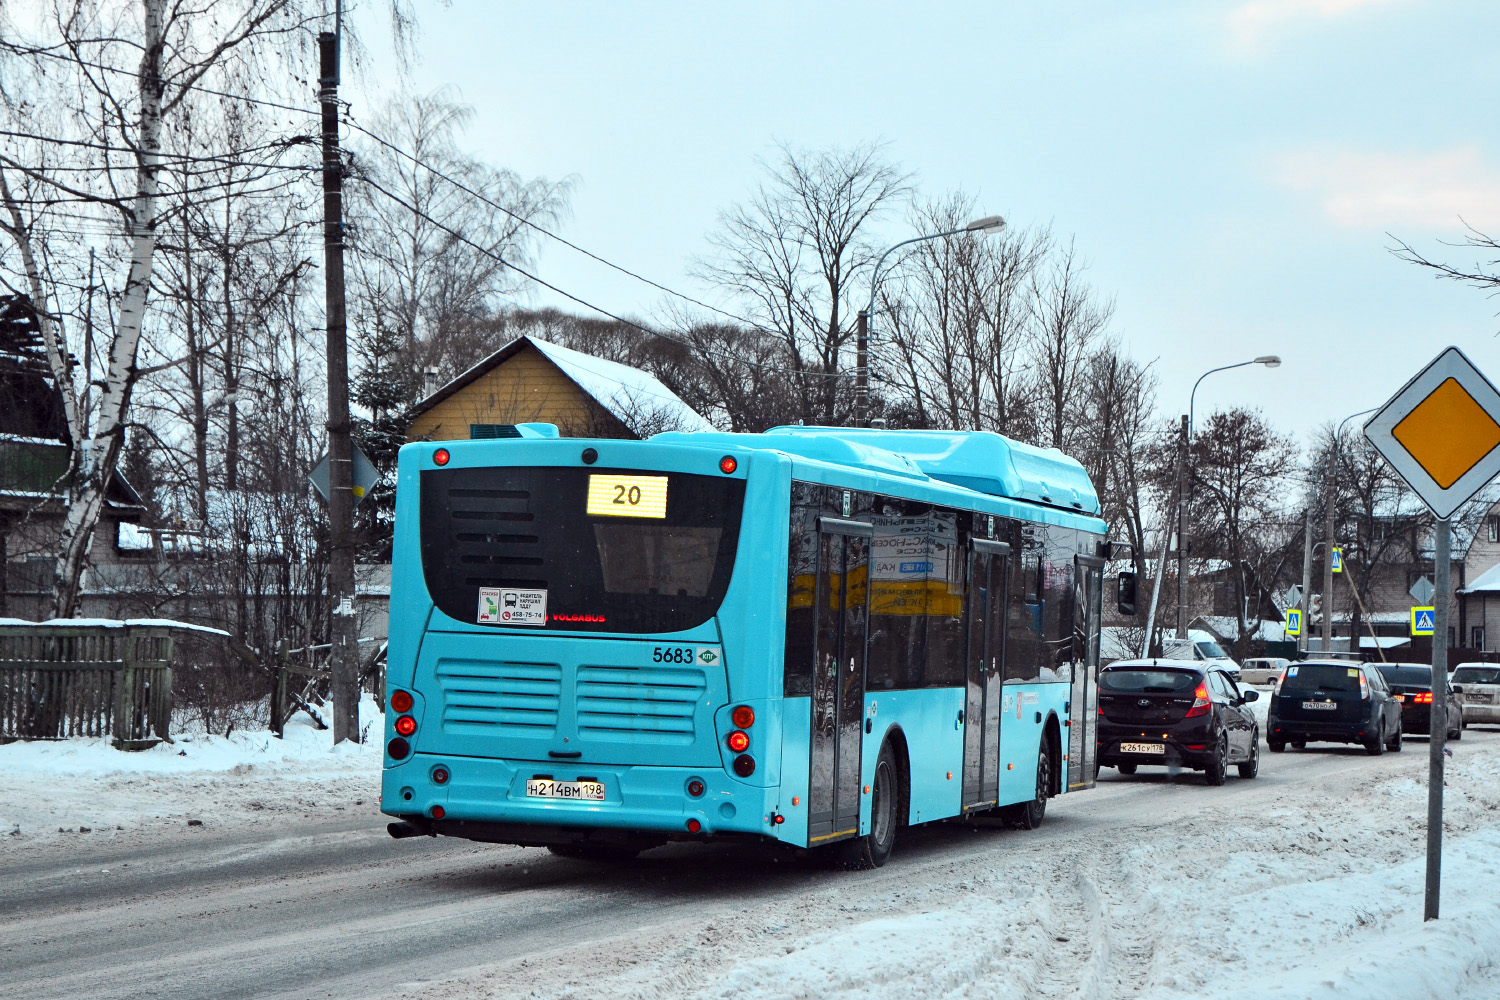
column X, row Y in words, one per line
column 1069, row 318
column 792, row 253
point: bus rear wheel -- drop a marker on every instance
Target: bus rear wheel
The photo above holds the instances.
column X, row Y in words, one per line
column 1028, row 815
column 596, row 852
column 874, row 848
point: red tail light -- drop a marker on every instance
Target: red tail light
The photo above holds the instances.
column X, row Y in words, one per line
column 743, row 716
column 406, row 725
column 1364, row 687
column 739, row 741
column 440, row 456
column 727, row 464
column 400, row 701
column 1422, row 698
column 1201, row 701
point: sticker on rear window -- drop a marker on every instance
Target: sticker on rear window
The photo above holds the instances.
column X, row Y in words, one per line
column 1353, row 671
column 502, row 606
column 1291, row 671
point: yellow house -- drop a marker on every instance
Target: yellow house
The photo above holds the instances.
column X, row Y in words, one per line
column 532, row 381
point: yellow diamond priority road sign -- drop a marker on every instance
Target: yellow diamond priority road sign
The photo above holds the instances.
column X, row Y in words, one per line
column 1441, row 432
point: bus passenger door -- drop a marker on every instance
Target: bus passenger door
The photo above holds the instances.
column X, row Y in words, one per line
column 838, row 689
column 1083, row 750
column 987, row 578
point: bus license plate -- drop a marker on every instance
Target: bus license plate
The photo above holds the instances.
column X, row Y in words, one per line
column 546, row 788
column 1157, row 748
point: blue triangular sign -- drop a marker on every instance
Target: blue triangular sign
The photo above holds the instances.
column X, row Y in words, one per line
column 1424, row 621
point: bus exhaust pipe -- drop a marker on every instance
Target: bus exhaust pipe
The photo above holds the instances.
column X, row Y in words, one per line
column 401, row 830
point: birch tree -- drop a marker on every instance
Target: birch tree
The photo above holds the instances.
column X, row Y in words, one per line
column 118, row 151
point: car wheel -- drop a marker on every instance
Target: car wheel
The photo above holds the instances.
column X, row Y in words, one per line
column 1376, row 746
column 1394, row 746
column 1218, row 765
column 1028, row 815
column 1251, row 767
column 1456, row 734
column 1277, row 746
column 1127, row 768
column 874, row 848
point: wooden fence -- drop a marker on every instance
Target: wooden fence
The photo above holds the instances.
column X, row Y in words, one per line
column 58, row 681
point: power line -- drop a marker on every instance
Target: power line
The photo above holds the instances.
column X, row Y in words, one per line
column 584, row 302
column 349, row 120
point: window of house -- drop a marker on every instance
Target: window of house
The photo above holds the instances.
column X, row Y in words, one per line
column 1492, row 528
column 1478, row 631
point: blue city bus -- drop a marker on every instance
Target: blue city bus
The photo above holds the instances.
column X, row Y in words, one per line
column 812, row 635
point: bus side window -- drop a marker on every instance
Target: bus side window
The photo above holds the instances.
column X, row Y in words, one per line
column 801, row 585
column 945, row 610
column 1025, row 648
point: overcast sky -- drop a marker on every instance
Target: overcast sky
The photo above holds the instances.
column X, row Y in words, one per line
column 1229, row 170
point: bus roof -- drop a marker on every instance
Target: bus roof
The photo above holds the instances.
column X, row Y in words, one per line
column 976, row 460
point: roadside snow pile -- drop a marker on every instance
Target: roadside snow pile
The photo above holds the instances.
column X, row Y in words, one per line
column 52, row 789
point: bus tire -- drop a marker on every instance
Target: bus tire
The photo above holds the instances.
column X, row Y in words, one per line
column 874, row 848
column 1029, row 815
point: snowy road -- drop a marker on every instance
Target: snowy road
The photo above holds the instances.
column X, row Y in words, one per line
column 1147, row 886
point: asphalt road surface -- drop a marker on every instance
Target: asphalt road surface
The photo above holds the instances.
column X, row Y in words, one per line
column 336, row 908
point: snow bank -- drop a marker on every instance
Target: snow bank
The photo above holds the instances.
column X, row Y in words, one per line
column 50, row 790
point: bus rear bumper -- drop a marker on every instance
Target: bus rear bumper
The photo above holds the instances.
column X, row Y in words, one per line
column 486, row 799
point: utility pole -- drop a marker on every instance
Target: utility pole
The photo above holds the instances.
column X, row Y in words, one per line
column 1182, row 562
column 1330, row 500
column 1307, row 547
column 862, row 370
column 340, row 455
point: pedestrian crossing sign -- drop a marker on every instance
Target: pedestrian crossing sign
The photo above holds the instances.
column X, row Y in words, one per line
column 1423, row 621
column 1294, row 621
column 1338, row 559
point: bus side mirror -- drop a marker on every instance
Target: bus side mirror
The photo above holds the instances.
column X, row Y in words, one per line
column 1125, row 593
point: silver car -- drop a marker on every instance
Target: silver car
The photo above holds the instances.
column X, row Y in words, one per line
column 1478, row 687
column 1262, row 669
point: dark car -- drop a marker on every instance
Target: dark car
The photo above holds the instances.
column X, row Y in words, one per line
column 1332, row 702
column 1175, row 713
column 1411, row 683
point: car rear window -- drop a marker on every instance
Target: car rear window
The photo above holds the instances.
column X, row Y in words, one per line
column 1320, row 677
column 1477, row 675
column 1407, row 674
column 1147, row 679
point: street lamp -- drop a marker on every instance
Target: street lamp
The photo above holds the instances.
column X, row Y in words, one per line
column 984, row 226
column 1270, row 361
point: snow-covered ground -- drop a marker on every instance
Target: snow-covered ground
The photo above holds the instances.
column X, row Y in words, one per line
column 1303, row 883
column 53, row 792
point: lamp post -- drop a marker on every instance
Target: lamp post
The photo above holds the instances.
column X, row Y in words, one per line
column 1270, row 361
column 1330, row 500
column 985, row 226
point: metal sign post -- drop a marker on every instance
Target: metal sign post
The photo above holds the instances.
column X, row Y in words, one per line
column 1441, row 433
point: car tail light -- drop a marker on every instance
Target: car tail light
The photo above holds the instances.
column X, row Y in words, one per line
column 406, row 725
column 743, row 716
column 400, row 701
column 1364, row 687
column 738, row 741
column 1422, row 698
column 1201, row 701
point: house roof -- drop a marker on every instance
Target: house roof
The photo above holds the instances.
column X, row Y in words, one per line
column 1487, row 582
column 622, row 390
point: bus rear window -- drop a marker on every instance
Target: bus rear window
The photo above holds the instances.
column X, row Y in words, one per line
column 521, row 537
